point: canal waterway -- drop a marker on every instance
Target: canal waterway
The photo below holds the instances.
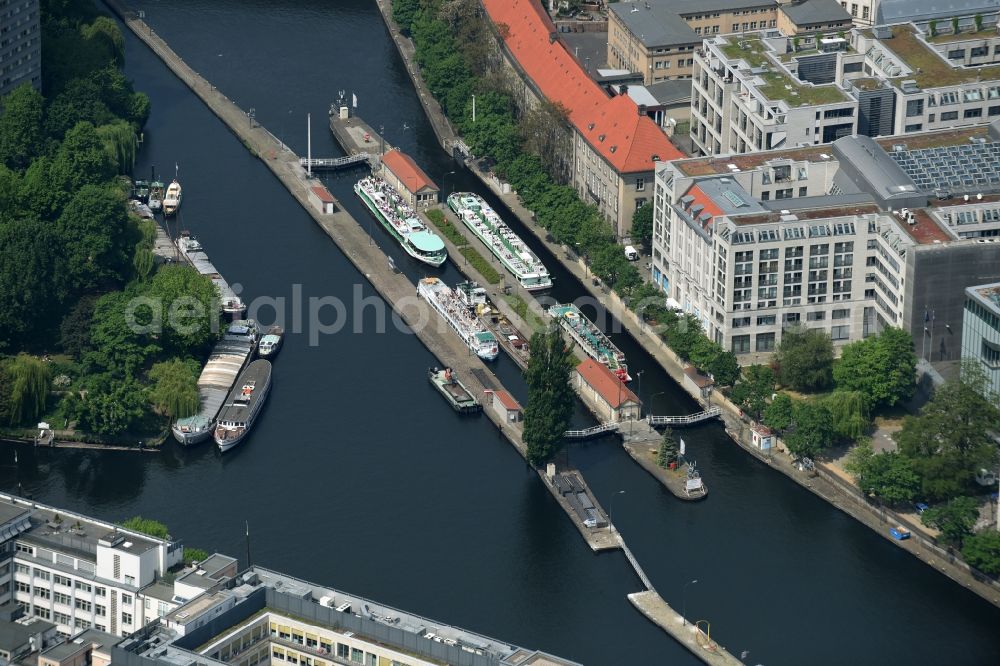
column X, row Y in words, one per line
column 358, row 474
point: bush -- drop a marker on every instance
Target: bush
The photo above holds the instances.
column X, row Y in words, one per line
column 148, row 526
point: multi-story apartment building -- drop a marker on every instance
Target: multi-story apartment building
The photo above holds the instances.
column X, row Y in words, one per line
column 20, row 45
column 981, row 331
column 81, row 573
column 615, row 145
column 744, row 99
column 847, row 238
column 264, row 617
column 770, row 91
column 657, row 38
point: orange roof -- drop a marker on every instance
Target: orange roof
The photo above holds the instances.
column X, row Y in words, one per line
column 507, row 400
column 612, row 125
column 412, row 176
column 323, row 194
column 706, row 202
column 608, row 386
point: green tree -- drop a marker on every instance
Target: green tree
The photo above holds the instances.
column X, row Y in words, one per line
column 668, row 451
column 813, row 430
column 119, row 337
column 978, row 19
column 29, row 277
column 888, row 476
column 21, row 114
column 550, row 397
column 192, row 555
column 74, row 331
column 954, row 519
column 642, row 226
column 805, row 359
column 850, row 413
column 724, row 367
column 81, row 159
column 954, row 25
column 29, row 389
column 883, row 367
column 982, row 550
column 147, row 526
column 189, row 305
column 950, row 440
column 98, row 238
column 779, row 414
column 113, row 408
column 684, row 335
column 754, row 388
column 175, row 388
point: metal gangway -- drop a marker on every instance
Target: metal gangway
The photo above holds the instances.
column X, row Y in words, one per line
column 332, row 163
column 592, row 432
column 687, row 419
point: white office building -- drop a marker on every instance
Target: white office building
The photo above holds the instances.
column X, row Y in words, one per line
column 81, row 573
column 847, row 238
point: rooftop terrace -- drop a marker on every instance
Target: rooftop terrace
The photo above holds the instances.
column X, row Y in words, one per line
column 930, row 69
column 779, row 85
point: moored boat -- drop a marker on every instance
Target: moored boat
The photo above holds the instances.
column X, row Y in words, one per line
column 155, row 198
column 401, row 221
column 271, row 342
column 592, row 339
column 242, row 407
column 228, row 358
column 172, row 199
column 507, row 246
column 140, row 190
column 229, row 302
column 459, row 315
column 458, row 396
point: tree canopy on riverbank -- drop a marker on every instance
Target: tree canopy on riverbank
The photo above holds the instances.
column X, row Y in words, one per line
column 77, row 272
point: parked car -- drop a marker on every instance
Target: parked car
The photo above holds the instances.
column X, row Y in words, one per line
column 920, row 507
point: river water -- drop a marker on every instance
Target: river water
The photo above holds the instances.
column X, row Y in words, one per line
column 360, row 477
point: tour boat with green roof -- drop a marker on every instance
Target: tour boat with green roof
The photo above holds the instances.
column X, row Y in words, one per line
column 508, row 247
column 399, row 219
column 592, row 339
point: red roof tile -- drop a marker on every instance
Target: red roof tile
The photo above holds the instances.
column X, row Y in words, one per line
column 411, row 175
column 608, row 386
column 507, row 400
column 708, row 206
column 323, row 194
column 630, row 140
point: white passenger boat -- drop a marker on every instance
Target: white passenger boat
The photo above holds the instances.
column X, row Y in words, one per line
column 507, row 246
column 459, row 315
column 401, row 221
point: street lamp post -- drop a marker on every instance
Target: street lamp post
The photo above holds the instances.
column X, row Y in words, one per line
column 684, row 601
column 611, row 505
column 444, row 179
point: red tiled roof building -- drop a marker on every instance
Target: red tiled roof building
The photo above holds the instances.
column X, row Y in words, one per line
column 615, row 145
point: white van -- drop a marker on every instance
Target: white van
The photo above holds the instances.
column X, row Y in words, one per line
column 631, row 254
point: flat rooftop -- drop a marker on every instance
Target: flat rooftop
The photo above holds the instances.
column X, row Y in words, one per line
column 360, row 617
column 930, row 69
column 72, row 532
column 778, row 85
column 806, row 215
column 989, row 293
column 707, row 166
column 926, row 229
